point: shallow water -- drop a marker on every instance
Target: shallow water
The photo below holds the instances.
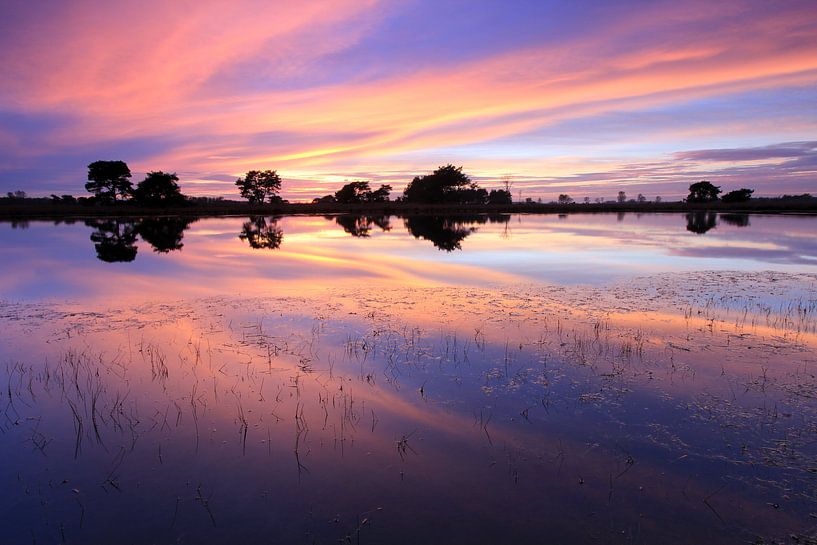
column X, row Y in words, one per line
column 538, row 379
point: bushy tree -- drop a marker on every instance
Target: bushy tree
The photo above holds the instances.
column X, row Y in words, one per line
column 360, row 192
column 380, row 194
column 622, row 197
column 257, row 186
column 499, row 196
column 109, row 179
column 702, row 192
column 738, row 195
column 447, row 184
column 565, row 199
column 158, row 188
column 353, row 193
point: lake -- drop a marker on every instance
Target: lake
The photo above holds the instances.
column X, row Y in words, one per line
column 611, row 378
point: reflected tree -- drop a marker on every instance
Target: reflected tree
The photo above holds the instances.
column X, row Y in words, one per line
column 114, row 240
column 447, row 232
column 260, row 233
column 738, row 220
column 164, row 234
column 361, row 226
column 701, row 221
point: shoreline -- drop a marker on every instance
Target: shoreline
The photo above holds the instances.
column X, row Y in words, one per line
column 48, row 210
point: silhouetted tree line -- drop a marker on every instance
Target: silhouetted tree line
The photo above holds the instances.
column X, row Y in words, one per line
column 110, row 182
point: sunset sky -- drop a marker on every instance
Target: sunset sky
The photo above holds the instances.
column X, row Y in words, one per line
column 584, row 98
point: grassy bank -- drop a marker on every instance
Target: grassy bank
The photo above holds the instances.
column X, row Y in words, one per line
column 44, row 209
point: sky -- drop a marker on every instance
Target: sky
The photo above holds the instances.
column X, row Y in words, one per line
column 584, row 98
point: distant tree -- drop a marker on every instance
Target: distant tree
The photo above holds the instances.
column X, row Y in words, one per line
column 622, row 197
column 158, row 188
column 353, row 193
column 738, row 195
column 109, row 179
column 641, row 198
column 802, row 197
column 702, row 192
column 587, row 200
column 16, row 195
column 324, row 200
column 257, row 186
column 259, row 234
column 565, row 199
column 447, row 184
column 361, row 192
column 500, row 196
column 380, row 194
column 658, row 199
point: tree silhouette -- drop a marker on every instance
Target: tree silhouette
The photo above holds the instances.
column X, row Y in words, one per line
column 256, row 186
column 381, row 194
column 360, row 192
column 164, row 234
column 565, row 199
column 702, row 192
column 701, row 221
column 738, row 195
column 447, row 184
column 353, row 192
column 260, row 234
column 107, row 179
column 158, row 188
column 622, row 197
column 114, row 240
column 499, row 196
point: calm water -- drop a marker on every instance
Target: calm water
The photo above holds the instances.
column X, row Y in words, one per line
column 613, row 379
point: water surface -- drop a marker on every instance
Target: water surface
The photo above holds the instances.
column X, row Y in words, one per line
column 617, row 379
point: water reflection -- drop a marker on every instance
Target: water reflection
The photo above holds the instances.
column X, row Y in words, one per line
column 737, row 220
column 701, row 221
column 448, row 232
column 262, row 233
column 114, row 240
column 361, row 226
column 165, row 233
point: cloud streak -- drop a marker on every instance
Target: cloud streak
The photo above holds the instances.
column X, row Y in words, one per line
column 286, row 86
